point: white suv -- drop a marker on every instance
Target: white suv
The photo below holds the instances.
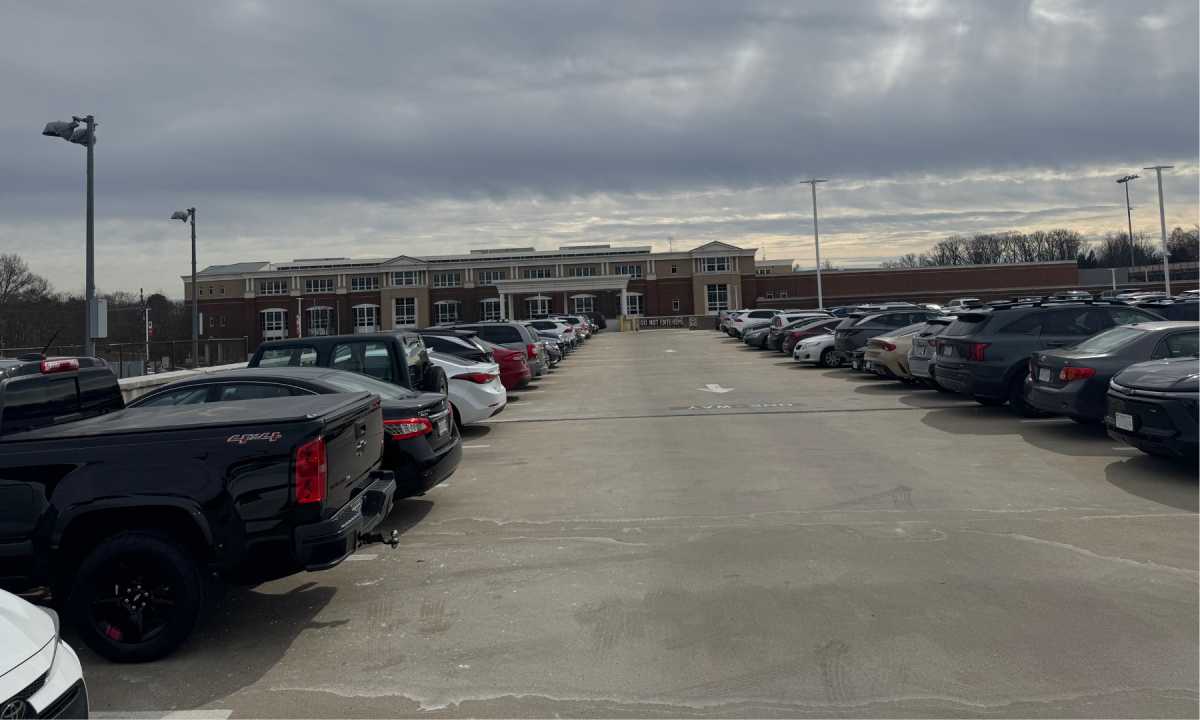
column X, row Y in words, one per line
column 750, row 318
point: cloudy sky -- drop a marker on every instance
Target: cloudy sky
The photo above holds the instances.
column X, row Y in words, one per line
column 304, row 129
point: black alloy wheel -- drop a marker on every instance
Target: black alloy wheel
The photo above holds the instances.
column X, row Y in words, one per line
column 137, row 596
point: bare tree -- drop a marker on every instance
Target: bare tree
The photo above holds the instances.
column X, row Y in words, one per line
column 1184, row 245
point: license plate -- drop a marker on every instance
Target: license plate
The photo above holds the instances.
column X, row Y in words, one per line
column 1124, row 422
column 1044, row 375
column 442, row 426
column 947, row 350
column 854, row 364
column 868, row 365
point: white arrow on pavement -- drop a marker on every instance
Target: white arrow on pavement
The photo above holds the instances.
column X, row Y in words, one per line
column 668, row 351
column 715, row 389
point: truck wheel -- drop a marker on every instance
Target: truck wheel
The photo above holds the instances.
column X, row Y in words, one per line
column 830, row 358
column 437, row 382
column 137, row 596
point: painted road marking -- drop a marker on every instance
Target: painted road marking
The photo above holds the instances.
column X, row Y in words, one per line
column 734, row 407
column 714, row 389
column 169, row 714
column 468, row 447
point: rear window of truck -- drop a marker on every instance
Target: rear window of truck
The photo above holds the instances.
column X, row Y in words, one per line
column 300, row 356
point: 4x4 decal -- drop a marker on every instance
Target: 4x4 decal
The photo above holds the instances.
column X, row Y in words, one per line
column 243, row 439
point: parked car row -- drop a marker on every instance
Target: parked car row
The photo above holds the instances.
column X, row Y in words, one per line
column 124, row 511
column 1134, row 366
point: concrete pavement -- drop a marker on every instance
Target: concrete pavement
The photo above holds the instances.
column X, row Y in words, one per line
column 625, row 540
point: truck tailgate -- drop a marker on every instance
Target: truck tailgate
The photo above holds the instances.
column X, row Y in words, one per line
column 353, row 449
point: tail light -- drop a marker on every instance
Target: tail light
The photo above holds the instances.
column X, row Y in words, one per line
column 887, row 346
column 737, row 319
column 1068, row 374
column 532, row 350
column 57, row 366
column 974, row 351
column 1030, row 366
column 567, row 330
column 797, row 336
column 311, row 472
column 406, row 428
column 480, row 378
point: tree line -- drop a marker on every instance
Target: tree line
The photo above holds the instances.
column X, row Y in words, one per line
column 32, row 313
column 1112, row 250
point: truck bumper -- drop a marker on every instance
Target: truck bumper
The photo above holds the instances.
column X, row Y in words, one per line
column 323, row 545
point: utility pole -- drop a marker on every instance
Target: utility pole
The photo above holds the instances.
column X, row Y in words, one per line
column 816, row 239
column 190, row 215
column 145, row 325
column 1129, row 215
column 1162, row 218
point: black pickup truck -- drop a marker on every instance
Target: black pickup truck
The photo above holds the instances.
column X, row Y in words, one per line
column 125, row 513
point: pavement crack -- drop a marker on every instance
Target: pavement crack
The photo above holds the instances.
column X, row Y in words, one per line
column 1146, row 564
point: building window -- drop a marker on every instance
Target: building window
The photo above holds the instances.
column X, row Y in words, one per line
column 718, row 298
column 273, row 287
column 222, row 321
column 408, row 277
column 675, row 305
column 364, row 283
column 489, row 277
column 583, row 303
column 581, row 272
column 446, row 311
column 674, row 269
column 320, row 321
column 366, row 318
column 537, row 307
column 489, row 309
column 770, row 294
column 715, row 264
column 447, row 279
column 540, row 273
column 763, row 271
column 631, row 270
column 634, row 304
column 406, row 312
column 212, row 321
column 211, row 290
column 274, row 324
column 318, row 286
column 783, row 293
column 222, row 289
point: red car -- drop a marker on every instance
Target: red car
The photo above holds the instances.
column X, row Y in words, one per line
column 514, row 368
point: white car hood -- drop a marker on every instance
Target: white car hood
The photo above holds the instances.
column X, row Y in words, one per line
column 455, row 365
column 24, row 629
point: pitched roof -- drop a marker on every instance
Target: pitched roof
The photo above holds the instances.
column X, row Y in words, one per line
column 242, row 267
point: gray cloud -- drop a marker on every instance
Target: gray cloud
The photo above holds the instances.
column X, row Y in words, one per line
column 371, row 128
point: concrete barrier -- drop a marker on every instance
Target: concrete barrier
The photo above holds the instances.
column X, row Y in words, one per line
column 135, row 387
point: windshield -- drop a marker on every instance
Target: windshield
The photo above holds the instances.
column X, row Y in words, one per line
column 355, row 382
column 1107, row 341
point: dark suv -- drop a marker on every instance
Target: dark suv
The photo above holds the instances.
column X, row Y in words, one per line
column 862, row 325
column 985, row 352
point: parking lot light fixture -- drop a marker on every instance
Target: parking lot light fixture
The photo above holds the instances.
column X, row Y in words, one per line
column 189, row 215
column 86, row 135
column 1129, row 214
column 1162, row 219
column 816, row 238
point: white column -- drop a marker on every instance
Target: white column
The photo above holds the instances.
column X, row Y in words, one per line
column 624, row 303
column 503, row 301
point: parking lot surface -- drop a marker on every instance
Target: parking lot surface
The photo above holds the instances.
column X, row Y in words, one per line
column 673, row 524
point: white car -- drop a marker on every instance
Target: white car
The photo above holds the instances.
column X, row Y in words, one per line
column 475, row 390
column 818, row 350
column 40, row 674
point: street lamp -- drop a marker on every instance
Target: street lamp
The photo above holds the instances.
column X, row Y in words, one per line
column 816, row 240
column 1162, row 218
column 86, row 135
column 186, row 216
column 1129, row 214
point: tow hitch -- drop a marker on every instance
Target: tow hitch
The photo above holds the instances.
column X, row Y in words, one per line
column 372, row 538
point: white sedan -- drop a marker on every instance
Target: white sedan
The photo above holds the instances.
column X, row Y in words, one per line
column 475, row 390
column 40, row 674
column 817, row 350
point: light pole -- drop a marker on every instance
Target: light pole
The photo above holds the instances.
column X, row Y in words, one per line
column 816, row 239
column 86, row 135
column 1162, row 218
column 1129, row 215
column 186, row 216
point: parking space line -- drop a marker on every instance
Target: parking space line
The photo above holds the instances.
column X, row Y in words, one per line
column 167, row 714
column 468, row 447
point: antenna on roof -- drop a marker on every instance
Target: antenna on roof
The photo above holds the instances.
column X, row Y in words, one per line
column 671, row 242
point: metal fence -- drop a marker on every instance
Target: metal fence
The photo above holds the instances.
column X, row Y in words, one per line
column 134, row 359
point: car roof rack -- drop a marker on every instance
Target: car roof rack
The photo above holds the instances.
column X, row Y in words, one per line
column 1053, row 302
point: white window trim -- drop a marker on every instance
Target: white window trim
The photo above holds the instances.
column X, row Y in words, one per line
column 396, row 324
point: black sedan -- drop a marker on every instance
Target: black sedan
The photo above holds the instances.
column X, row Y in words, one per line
column 1153, row 407
column 1072, row 381
column 422, row 445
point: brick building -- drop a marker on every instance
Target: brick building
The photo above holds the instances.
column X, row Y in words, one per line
column 266, row 300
